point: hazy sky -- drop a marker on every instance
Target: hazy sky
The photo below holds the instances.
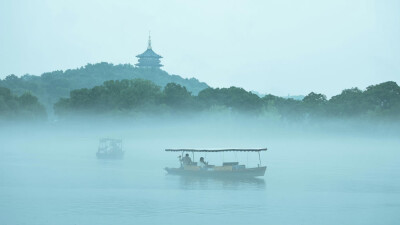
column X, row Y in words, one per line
column 280, row 47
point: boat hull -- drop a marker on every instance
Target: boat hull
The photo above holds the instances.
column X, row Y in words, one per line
column 248, row 172
column 114, row 155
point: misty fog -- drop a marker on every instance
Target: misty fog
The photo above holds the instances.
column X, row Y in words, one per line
column 199, row 112
column 49, row 173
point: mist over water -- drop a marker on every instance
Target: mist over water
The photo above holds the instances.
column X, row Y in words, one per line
column 331, row 173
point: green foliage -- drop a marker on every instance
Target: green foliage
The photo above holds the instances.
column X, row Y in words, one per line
column 234, row 98
column 24, row 107
column 288, row 109
column 104, row 88
column 348, row 104
column 50, row 87
column 377, row 101
column 178, row 98
column 126, row 96
column 314, row 105
column 383, row 98
column 380, row 101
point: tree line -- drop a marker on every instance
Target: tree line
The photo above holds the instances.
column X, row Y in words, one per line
column 50, row 87
column 25, row 107
column 139, row 96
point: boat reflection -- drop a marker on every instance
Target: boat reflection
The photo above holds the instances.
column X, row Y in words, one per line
column 220, row 182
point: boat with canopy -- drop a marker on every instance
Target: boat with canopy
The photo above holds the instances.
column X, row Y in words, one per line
column 227, row 169
column 110, row 149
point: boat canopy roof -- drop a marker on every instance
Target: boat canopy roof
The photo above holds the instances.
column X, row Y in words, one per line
column 216, row 150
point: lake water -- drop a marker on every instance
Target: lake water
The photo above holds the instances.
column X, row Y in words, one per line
column 51, row 176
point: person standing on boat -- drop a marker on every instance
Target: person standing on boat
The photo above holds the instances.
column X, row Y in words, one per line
column 180, row 161
column 186, row 160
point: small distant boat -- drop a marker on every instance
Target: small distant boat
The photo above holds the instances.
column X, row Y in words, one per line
column 226, row 170
column 110, row 149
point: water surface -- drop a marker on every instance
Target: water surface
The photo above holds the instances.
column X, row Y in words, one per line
column 53, row 177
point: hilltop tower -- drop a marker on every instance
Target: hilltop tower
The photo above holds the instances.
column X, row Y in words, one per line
column 149, row 59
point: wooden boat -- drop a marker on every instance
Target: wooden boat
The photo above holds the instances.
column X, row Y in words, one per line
column 110, row 149
column 228, row 169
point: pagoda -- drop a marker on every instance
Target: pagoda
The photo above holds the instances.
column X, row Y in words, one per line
column 149, row 59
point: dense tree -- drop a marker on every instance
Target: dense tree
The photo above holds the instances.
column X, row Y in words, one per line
column 125, row 95
column 347, row 104
column 382, row 100
column 50, row 87
column 377, row 101
column 178, row 98
column 314, row 105
column 24, row 107
column 104, row 88
column 288, row 109
column 234, row 98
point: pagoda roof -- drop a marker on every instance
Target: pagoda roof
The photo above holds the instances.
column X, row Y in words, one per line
column 149, row 53
column 146, row 64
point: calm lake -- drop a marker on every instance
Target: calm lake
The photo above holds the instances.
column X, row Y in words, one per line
column 51, row 176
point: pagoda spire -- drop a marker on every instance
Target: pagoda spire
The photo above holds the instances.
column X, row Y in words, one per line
column 149, row 44
column 149, row 59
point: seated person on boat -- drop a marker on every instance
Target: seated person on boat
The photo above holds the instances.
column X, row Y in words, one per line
column 186, row 160
column 202, row 163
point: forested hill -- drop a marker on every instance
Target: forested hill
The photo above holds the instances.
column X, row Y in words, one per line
column 50, row 87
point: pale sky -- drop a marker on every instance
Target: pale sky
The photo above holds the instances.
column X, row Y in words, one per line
column 279, row 47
